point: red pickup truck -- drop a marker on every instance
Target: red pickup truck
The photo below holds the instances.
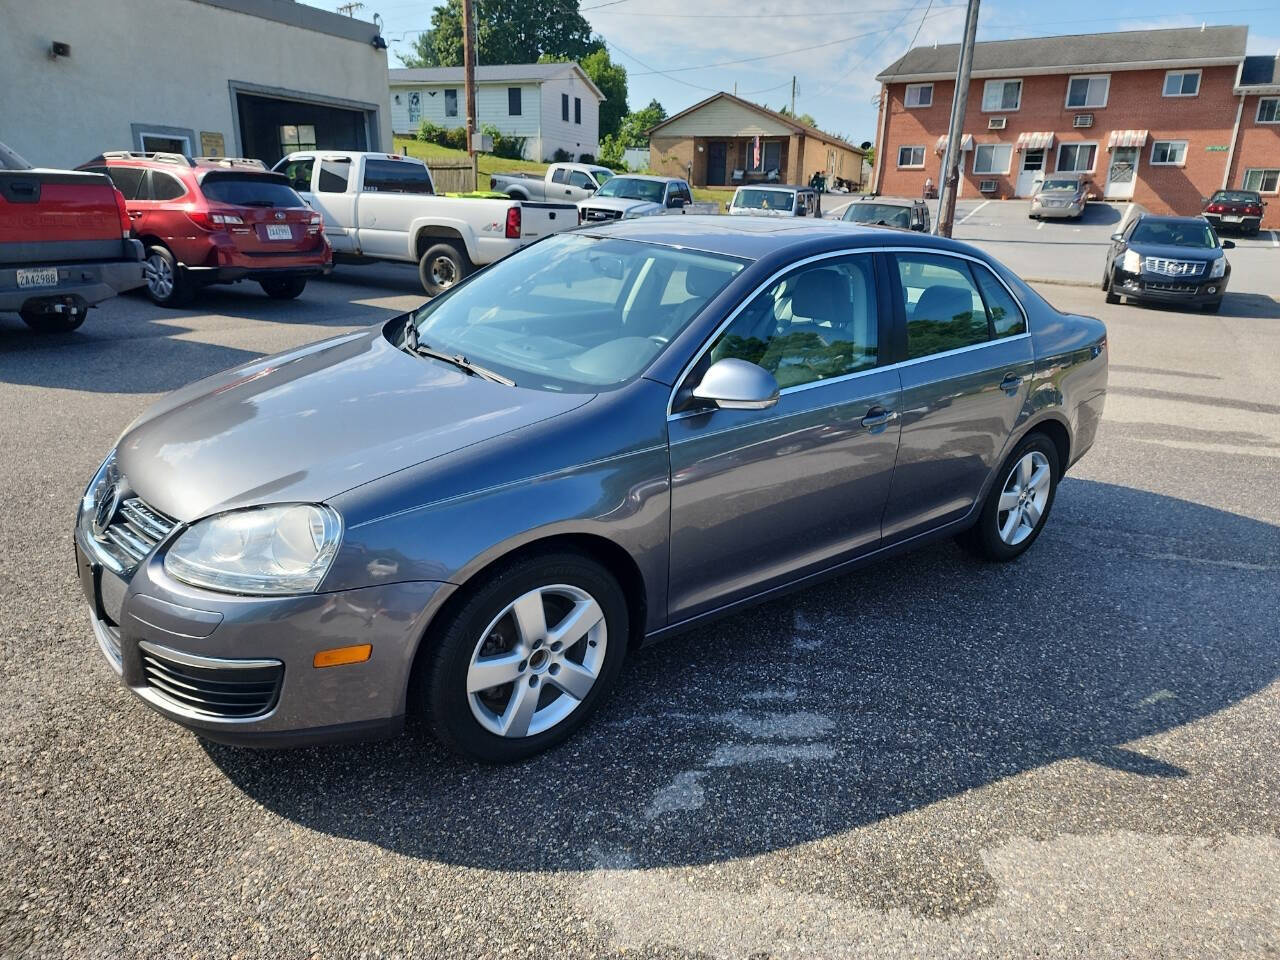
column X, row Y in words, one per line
column 65, row 244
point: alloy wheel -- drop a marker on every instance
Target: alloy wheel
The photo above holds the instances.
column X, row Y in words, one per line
column 1024, row 497
column 537, row 661
column 159, row 277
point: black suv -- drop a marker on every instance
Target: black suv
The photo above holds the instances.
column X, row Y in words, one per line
column 1170, row 260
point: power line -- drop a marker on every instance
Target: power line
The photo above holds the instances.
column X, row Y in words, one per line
column 863, row 59
column 768, row 56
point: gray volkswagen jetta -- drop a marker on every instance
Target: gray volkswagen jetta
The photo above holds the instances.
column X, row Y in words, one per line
column 474, row 511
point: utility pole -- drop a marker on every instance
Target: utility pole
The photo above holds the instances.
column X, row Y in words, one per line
column 959, row 102
column 793, row 95
column 469, row 81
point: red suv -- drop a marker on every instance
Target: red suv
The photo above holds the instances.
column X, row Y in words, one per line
column 216, row 220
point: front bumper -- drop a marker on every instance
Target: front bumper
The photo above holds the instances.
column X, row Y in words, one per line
column 84, row 283
column 1162, row 289
column 155, row 633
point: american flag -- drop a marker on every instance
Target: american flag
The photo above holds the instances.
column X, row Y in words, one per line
column 755, row 152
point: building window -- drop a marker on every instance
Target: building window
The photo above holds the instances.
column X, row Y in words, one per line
column 1182, row 83
column 919, row 95
column 770, row 156
column 293, row 139
column 1263, row 181
column 1088, row 91
column 1269, row 110
column 577, row 110
column 911, row 156
column 1169, row 153
column 564, row 107
column 1000, row 95
column 513, row 101
column 992, row 157
column 1076, row 157
column 451, row 103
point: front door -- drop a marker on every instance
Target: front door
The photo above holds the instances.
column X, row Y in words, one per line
column 1122, row 173
column 717, row 157
column 762, row 497
column 1032, row 171
column 965, row 382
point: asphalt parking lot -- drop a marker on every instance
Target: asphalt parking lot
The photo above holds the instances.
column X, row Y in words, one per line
column 1075, row 755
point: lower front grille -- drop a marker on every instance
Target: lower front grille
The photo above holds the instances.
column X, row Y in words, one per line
column 1171, row 287
column 231, row 691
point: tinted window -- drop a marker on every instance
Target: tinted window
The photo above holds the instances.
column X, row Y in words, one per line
column 1174, row 233
column 451, row 103
column 1006, row 317
column 564, row 107
column 943, row 307
column 886, row 214
column 396, row 176
column 249, row 191
column 559, row 175
column 813, row 324
column 577, row 109
column 333, row 176
column 165, row 186
column 579, row 179
column 128, row 180
column 513, row 101
column 299, row 172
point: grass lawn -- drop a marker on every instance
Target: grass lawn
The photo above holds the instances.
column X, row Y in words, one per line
column 489, row 164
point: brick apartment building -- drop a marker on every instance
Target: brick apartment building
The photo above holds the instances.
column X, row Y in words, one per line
column 1159, row 117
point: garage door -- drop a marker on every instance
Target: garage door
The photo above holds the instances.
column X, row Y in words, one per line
column 270, row 128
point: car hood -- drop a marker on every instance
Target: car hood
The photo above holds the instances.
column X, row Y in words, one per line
column 621, row 204
column 1167, row 252
column 315, row 422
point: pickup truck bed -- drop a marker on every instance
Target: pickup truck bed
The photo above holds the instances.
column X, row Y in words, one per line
column 64, row 246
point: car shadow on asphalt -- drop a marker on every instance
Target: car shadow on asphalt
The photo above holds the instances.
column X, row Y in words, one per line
column 871, row 696
column 1234, row 304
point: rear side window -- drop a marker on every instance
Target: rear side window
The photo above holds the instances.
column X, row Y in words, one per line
column 943, row 307
column 396, row 176
column 1006, row 316
column 165, row 186
column 128, row 180
column 333, row 176
column 250, row 191
column 559, row 175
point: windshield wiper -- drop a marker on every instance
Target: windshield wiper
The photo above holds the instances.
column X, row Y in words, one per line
column 413, row 345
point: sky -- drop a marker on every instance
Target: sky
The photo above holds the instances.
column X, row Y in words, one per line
column 681, row 52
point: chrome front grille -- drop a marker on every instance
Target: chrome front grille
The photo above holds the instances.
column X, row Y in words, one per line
column 134, row 532
column 594, row 214
column 229, row 690
column 1174, row 268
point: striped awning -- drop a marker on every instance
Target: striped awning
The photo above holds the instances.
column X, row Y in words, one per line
column 966, row 143
column 1127, row 138
column 1035, row 141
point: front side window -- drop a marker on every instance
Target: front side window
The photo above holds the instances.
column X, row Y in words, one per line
column 580, row 180
column 1182, row 83
column 1002, row 95
column 944, row 309
column 919, row 95
column 451, row 103
column 1269, row 110
column 911, row 156
column 1088, row 91
column 1262, row 181
column 333, row 176
column 992, row 157
column 298, row 171
column 1076, row 157
column 574, row 313
column 1169, row 152
column 816, row 323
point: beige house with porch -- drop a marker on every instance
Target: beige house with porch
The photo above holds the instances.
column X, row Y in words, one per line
column 714, row 144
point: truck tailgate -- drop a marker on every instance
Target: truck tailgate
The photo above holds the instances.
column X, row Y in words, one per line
column 49, row 216
column 540, row 219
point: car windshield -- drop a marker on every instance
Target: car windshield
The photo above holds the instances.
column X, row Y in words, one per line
column 758, row 199
column 631, row 188
column 1174, row 234
column 889, row 214
column 1235, row 196
column 574, row 313
column 1049, row 185
column 602, row 175
column 250, row 191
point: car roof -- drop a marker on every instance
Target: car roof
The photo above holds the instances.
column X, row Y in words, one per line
column 647, row 176
column 754, row 238
column 891, row 201
column 1156, row 218
column 775, row 186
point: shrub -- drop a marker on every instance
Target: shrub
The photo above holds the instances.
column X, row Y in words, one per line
column 429, row 132
column 586, row 158
column 611, row 152
column 509, row 148
column 456, row 138
column 561, row 155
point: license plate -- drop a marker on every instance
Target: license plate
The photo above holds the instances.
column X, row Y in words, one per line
column 1230, row 219
column 39, row 277
column 279, row 231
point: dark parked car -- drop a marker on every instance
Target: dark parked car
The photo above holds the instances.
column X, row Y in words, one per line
column 1235, row 210
column 474, row 511
column 1168, row 260
column 217, row 220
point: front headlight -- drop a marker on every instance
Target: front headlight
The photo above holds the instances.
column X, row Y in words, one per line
column 1132, row 262
column 1218, row 269
column 102, row 485
column 263, row 550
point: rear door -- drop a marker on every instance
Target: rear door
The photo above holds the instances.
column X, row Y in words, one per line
column 333, row 195
column 387, row 205
column 966, row 376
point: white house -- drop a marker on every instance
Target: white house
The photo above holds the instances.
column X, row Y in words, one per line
column 554, row 106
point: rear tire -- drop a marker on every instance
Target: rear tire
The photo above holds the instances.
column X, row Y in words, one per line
column 166, row 285
column 1018, row 504
column 43, row 322
column 442, row 266
column 289, row 288
column 484, row 629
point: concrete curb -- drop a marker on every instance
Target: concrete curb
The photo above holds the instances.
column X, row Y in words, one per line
column 1058, row 281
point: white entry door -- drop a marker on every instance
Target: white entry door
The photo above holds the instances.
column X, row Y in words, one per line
column 1122, row 174
column 1032, row 170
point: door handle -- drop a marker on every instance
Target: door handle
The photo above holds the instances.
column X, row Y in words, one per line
column 1010, row 383
column 878, row 417
column 134, row 214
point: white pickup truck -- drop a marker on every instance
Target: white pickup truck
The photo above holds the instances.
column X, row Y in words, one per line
column 570, row 182
column 381, row 206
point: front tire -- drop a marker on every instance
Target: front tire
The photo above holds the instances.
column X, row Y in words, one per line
column 289, row 288
column 1106, row 288
column 1018, row 503
column 523, row 661
column 441, row 266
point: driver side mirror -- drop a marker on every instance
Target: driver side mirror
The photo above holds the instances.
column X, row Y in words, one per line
column 734, row 384
column 1117, row 238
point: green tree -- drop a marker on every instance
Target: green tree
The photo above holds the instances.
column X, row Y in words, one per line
column 611, row 78
column 805, row 118
column 513, row 31
column 423, row 53
column 636, row 125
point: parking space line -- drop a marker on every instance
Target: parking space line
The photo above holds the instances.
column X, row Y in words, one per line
column 1275, row 240
column 1040, row 225
column 973, row 211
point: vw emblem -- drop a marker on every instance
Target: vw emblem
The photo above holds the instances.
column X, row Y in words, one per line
column 279, row 215
column 105, row 511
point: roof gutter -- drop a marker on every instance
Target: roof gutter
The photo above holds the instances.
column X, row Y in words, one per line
column 1033, row 71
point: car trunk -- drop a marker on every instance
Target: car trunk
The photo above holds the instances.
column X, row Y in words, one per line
column 52, row 216
column 273, row 218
